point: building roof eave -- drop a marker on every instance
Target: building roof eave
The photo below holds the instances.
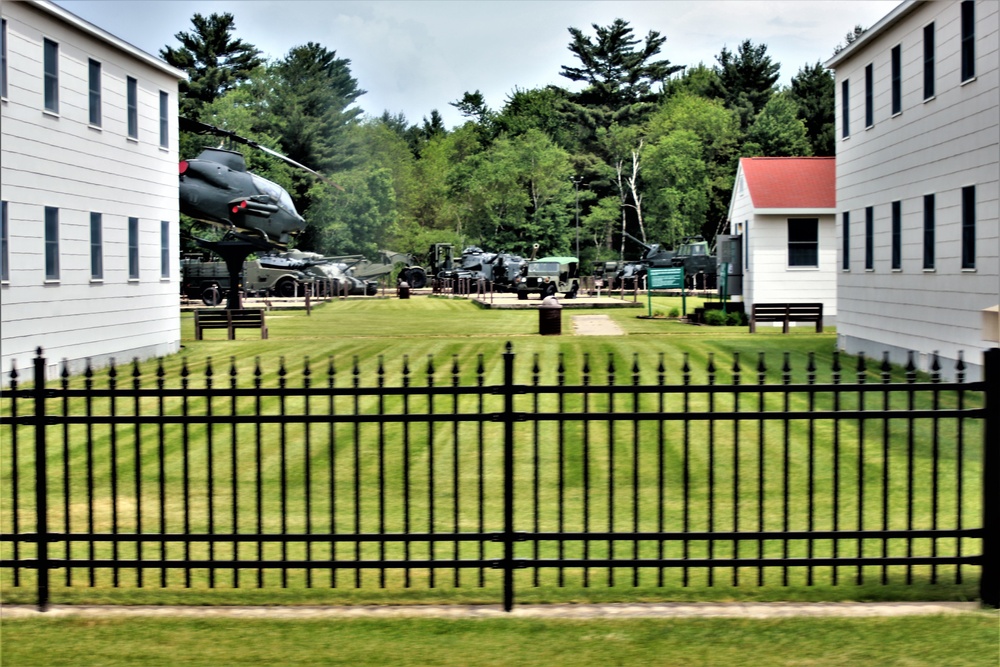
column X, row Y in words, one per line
column 106, row 37
column 886, row 22
column 795, row 211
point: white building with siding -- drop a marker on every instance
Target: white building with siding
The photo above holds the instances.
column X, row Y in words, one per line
column 918, row 167
column 88, row 181
column 783, row 209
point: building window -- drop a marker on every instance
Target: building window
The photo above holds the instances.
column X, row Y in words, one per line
column 845, row 260
column 164, row 119
column 928, row 231
column 897, row 79
column 164, row 249
column 969, row 227
column 929, row 61
column 4, row 245
column 51, row 76
column 845, row 100
column 897, row 235
column 869, row 97
column 133, row 107
column 968, row 40
column 133, row 248
column 95, row 93
column 96, row 247
column 803, row 242
column 3, row 55
column 870, row 238
column 51, row 243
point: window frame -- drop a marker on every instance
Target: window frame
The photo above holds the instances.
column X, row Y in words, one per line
column 968, row 43
column 969, row 227
column 51, row 235
column 4, row 244
column 164, row 119
column 929, row 232
column 845, row 226
column 869, row 238
column 133, row 249
column 50, row 75
column 929, row 61
column 896, row 57
column 164, row 249
column 132, row 107
column 845, row 110
column 869, row 96
column 811, row 245
column 897, row 235
column 94, row 93
column 3, row 58
column 96, row 246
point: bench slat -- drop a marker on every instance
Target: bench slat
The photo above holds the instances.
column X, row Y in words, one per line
column 247, row 318
column 786, row 313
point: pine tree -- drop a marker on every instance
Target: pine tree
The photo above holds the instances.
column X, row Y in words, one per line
column 213, row 60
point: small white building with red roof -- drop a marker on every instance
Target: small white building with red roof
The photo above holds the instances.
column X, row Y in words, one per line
column 784, row 211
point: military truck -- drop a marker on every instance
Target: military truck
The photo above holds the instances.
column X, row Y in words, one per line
column 548, row 276
column 699, row 264
column 209, row 281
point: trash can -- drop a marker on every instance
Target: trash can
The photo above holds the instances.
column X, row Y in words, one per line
column 550, row 317
column 404, row 290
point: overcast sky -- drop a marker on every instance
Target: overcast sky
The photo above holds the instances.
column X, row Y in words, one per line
column 413, row 56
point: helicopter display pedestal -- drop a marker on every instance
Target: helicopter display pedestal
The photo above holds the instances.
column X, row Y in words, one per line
column 233, row 252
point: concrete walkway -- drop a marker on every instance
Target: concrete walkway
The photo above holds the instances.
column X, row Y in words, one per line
column 754, row 610
column 595, row 325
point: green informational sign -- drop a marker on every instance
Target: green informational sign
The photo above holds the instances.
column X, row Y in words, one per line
column 665, row 279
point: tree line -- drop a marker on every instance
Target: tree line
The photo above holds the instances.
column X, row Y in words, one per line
column 644, row 146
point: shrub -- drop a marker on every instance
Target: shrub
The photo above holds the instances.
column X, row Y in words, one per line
column 735, row 319
column 715, row 318
column 675, row 312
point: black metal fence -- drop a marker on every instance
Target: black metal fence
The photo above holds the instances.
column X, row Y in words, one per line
column 582, row 473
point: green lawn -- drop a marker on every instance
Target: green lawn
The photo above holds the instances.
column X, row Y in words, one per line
column 957, row 641
column 440, row 463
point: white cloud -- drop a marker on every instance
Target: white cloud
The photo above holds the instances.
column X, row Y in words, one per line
column 417, row 55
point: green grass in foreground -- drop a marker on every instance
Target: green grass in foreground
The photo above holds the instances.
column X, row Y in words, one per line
column 961, row 640
column 368, row 329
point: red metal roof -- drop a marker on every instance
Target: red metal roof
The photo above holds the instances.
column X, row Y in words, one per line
column 791, row 182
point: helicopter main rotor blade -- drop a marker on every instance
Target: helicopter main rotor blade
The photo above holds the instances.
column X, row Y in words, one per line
column 295, row 164
column 203, row 128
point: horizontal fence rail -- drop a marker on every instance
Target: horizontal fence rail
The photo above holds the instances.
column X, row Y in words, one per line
column 450, row 475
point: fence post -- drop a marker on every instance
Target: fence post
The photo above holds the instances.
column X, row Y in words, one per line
column 989, row 581
column 508, row 478
column 41, row 485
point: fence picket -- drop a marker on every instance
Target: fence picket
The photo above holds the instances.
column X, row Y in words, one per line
column 589, row 475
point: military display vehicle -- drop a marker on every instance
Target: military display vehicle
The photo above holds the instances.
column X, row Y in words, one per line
column 210, row 281
column 700, row 267
column 321, row 270
column 548, row 276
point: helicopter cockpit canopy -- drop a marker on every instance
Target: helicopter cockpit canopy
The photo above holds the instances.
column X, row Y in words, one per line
column 278, row 195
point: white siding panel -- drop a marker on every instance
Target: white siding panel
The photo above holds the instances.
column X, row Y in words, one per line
column 61, row 161
column 933, row 147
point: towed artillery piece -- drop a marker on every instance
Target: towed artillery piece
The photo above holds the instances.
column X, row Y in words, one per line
column 322, row 271
column 633, row 274
column 502, row 269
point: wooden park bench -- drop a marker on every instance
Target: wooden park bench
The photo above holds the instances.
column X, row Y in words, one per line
column 230, row 320
column 785, row 313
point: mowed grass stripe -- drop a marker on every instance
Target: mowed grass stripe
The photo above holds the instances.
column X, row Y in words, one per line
column 364, row 336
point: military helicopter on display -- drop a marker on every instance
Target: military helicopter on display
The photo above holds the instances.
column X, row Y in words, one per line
column 257, row 214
